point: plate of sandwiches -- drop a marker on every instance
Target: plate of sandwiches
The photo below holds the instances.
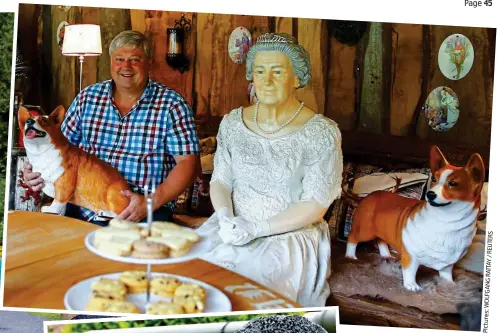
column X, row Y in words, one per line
column 167, row 243
column 125, row 293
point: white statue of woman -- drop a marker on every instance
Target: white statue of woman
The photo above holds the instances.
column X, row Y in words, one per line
column 277, row 168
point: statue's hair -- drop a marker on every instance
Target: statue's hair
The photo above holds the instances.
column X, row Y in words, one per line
column 287, row 44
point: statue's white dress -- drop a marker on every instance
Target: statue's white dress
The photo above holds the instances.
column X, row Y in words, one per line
column 267, row 176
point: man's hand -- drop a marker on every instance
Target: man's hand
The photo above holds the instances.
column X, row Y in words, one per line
column 136, row 210
column 32, row 179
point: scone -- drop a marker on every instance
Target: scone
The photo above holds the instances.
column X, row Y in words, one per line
column 178, row 246
column 191, row 297
column 135, row 281
column 145, row 249
column 164, row 286
column 164, row 308
column 104, row 305
column 190, row 304
column 191, row 289
column 122, row 307
column 96, row 304
column 110, row 289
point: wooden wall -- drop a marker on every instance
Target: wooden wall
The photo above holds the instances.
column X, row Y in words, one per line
column 378, row 85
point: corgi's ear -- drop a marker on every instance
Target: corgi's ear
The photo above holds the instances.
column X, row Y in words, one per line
column 477, row 170
column 437, row 159
column 58, row 114
column 22, row 115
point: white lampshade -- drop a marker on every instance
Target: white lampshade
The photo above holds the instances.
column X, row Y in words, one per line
column 82, row 40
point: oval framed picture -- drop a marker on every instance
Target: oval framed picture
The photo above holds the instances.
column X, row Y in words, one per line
column 60, row 33
column 456, row 57
column 441, row 109
column 238, row 45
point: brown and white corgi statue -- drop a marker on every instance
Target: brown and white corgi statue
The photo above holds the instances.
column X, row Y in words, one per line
column 70, row 174
column 436, row 232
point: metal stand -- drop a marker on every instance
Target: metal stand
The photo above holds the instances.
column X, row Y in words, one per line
column 81, row 68
column 149, row 196
column 149, row 277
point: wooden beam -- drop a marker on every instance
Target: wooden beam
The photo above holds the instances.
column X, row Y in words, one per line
column 341, row 88
column 112, row 22
column 374, row 107
column 313, row 36
column 407, row 58
column 366, row 311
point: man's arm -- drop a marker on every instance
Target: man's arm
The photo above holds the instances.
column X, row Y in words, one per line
column 187, row 169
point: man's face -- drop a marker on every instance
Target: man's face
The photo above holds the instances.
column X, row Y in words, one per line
column 129, row 68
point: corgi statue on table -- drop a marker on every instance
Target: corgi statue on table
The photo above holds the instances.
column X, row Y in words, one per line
column 435, row 233
column 70, row 174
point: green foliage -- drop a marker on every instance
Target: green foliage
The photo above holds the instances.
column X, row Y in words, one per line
column 49, row 316
column 6, row 47
column 85, row 327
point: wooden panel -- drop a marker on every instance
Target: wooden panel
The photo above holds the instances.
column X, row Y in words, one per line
column 374, row 106
column 385, row 148
column 284, row 24
column 474, row 122
column 44, row 47
column 220, row 84
column 89, row 15
column 312, row 35
column 156, row 25
column 112, row 22
column 378, row 86
column 137, row 18
column 341, row 89
column 203, row 63
column 407, row 57
column 64, row 81
column 29, row 20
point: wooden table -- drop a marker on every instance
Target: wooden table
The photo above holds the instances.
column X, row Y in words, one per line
column 46, row 255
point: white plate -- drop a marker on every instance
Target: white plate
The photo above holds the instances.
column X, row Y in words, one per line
column 199, row 249
column 77, row 296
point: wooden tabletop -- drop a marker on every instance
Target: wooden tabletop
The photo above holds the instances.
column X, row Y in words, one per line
column 45, row 255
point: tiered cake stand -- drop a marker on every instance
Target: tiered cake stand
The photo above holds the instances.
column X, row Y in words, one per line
column 78, row 296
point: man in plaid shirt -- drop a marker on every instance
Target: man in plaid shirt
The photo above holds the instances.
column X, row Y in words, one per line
column 137, row 125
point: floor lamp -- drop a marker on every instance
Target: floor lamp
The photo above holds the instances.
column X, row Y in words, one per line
column 82, row 40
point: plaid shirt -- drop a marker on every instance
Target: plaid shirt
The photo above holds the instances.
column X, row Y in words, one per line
column 140, row 144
